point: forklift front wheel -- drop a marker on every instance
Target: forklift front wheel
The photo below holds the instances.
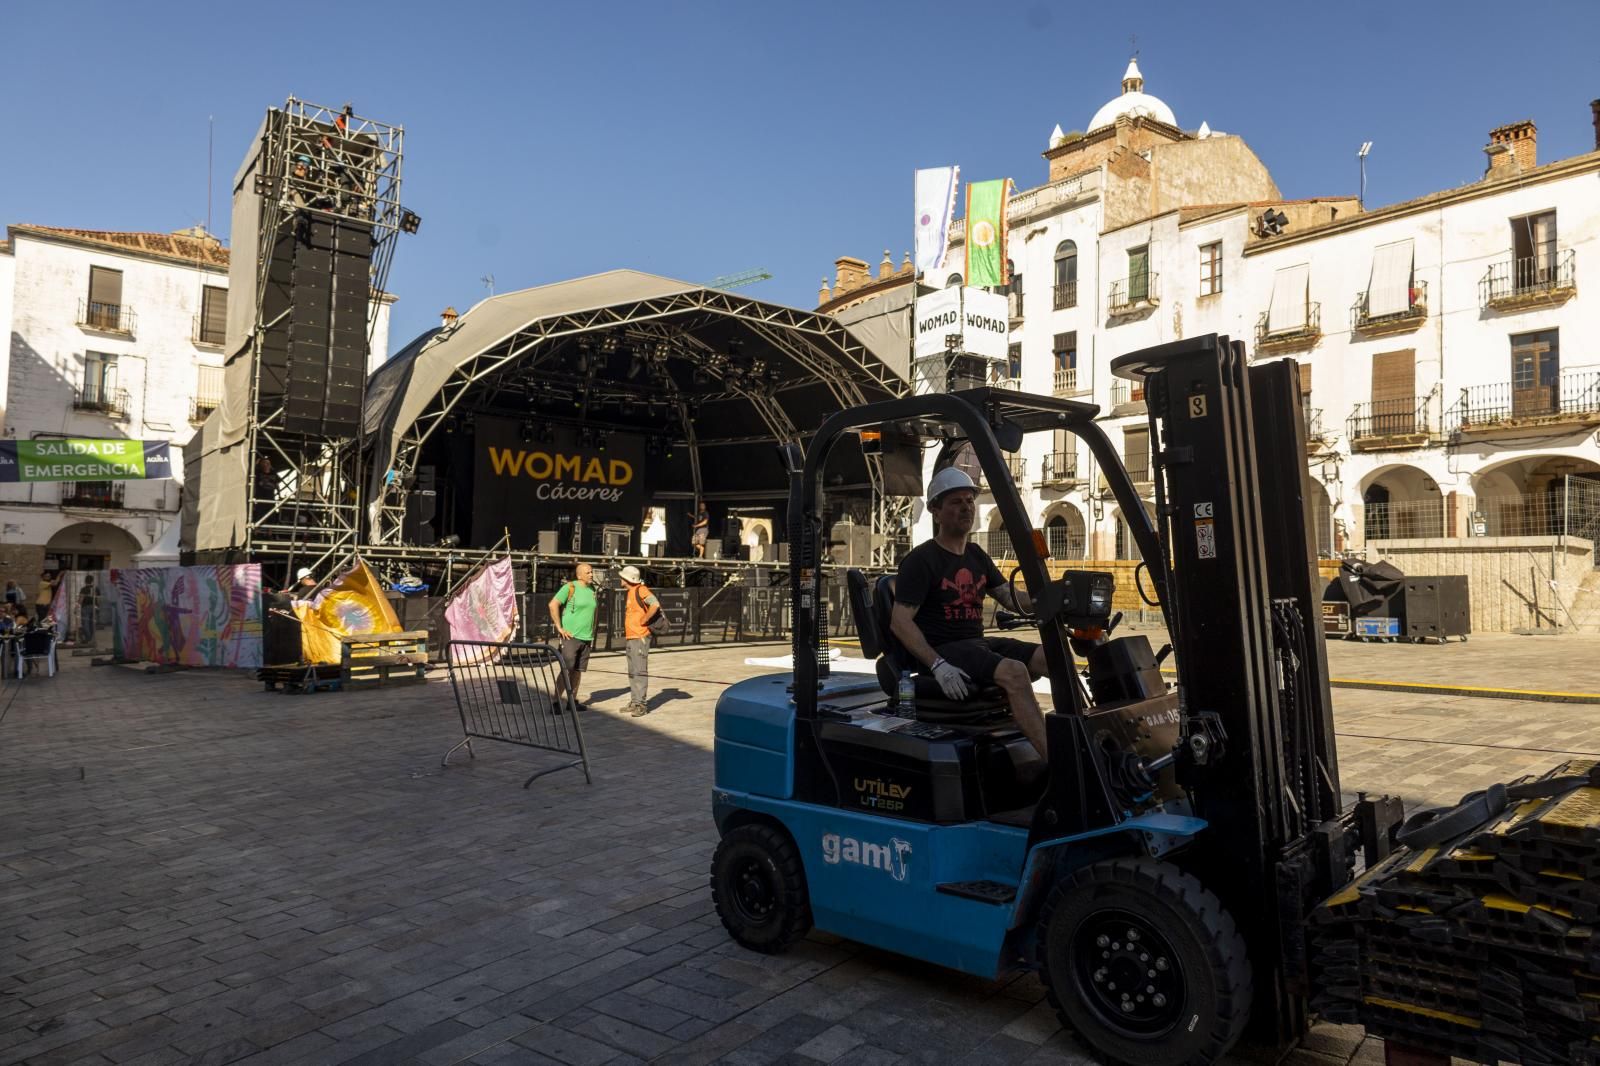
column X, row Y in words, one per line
column 759, row 888
column 1143, row 962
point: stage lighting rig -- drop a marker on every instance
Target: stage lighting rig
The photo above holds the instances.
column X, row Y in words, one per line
column 610, row 343
column 409, row 221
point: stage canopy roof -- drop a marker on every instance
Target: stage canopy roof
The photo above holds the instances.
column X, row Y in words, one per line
column 724, row 376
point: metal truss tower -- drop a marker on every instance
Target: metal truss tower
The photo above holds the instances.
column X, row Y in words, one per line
column 326, row 198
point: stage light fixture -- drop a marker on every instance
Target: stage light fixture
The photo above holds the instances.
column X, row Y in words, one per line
column 448, row 542
column 586, row 437
column 610, row 343
column 601, row 444
column 527, row 431
column 629, row 408
column 635, row 365
column 701, row 378
column 409, row 221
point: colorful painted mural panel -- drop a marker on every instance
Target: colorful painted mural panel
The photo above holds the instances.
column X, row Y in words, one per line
column 189, row 615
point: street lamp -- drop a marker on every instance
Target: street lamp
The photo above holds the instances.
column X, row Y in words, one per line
column 1361, row 157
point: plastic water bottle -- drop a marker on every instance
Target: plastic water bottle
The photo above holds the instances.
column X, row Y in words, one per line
column 906, row 695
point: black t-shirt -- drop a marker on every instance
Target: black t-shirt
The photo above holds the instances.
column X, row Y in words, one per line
column 947, row 590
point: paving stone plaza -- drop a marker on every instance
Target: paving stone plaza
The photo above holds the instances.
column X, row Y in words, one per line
column 194, row 870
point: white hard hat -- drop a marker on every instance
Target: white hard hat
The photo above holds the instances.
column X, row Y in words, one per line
column 947, row 480
column 630, row 574
column 304, row 571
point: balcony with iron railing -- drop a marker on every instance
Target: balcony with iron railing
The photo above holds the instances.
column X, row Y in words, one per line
column 1571, row 400
column 1127, row 397
column 1014, row 307
column 1064, row 543
column 1059, row 468
column 112, row 402
column 107, row 494
column 1066, row 382
column 1315, row 429
column 1537, row 280
column 1016, row 468
column 1134, row 293
column 107, row 318
column 207, row 336
column 201, row 407
column 996, row 542
column 1388, row 425
column 1271, row 338
column 1362, row 320
column 1065, row 295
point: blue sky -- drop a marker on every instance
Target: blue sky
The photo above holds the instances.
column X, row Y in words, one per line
column 547, row 141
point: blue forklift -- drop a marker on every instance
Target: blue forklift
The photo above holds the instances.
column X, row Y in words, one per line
column 1158, row 869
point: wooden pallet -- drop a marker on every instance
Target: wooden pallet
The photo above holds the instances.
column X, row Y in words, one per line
column 374, row 659
column 301, row 677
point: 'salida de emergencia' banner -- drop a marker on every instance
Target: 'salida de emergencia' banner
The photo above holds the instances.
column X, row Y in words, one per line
column 82, row 459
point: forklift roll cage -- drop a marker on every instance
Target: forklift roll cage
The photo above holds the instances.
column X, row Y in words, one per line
column 971, row 416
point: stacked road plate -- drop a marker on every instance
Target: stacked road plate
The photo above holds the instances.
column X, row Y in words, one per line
column 1485, row 946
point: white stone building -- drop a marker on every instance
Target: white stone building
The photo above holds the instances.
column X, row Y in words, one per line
column 111, row 335
column 1449, row 389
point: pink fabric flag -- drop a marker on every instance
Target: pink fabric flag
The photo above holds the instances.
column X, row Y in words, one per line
column 485, row 608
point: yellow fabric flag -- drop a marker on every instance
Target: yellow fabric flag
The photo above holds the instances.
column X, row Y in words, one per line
column 352, row 606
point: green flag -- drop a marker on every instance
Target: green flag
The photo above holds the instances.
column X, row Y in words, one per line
column 986, row 232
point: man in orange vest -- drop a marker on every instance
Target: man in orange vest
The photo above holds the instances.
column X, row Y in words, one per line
column 642, row 608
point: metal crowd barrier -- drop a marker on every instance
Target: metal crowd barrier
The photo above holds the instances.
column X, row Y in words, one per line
column 506, row 692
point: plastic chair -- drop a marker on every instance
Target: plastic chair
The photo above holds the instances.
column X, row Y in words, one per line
column 38, row 645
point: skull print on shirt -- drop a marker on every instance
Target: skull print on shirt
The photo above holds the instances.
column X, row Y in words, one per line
column 963, row 596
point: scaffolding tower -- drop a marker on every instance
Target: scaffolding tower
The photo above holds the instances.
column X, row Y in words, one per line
column 325, row 201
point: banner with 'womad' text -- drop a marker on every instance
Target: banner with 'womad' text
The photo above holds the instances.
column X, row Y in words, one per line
column 83, row 459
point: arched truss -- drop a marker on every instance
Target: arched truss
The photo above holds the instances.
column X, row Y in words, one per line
column 817, row 348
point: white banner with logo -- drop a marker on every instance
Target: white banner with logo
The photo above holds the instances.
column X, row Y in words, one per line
column 977, row 316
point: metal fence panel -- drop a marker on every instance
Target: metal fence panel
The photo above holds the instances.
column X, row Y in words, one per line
column 508, row 692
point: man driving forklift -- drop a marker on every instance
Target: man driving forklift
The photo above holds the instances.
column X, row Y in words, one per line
column 938, row 610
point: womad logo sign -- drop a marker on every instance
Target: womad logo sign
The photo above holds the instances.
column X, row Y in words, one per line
column 530, row 487
column 564, row 475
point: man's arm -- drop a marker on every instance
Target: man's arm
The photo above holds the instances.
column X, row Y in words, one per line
column 555, row 613
column 1005, row 594
column 903, row 624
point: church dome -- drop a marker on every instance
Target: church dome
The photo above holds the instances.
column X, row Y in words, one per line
column 1134, row 101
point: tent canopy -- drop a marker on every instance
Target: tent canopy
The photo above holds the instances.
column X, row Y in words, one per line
column 717, row 372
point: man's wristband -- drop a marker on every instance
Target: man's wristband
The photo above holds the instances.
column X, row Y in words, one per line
column 937, row 662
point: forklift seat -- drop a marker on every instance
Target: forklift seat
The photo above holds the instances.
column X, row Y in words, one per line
column 872, row 606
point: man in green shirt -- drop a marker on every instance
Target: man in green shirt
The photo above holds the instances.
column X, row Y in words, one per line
column 572, row 612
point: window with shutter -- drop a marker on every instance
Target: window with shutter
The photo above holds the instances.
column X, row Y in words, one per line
column 1394, row 392
column 1211, row 268
column 105, row 298
column 1136, row 453
column 1535, row 373
column 213, row 314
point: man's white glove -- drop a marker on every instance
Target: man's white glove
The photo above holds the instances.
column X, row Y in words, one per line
column 952, row 680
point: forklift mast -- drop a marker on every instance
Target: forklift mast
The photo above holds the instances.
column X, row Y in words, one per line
column 1233, row 507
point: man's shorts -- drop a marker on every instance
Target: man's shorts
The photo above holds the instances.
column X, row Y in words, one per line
column 575, row 652
column 980, row 657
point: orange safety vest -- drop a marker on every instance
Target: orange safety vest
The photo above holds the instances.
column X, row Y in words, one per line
column 633, row 627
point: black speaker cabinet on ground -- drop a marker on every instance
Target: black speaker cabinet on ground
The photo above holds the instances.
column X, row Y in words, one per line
column 1436, row 608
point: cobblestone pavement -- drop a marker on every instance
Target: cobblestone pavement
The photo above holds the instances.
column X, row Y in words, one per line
column 193, row 870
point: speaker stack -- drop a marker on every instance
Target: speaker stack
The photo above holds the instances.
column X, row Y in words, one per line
column 313, row 359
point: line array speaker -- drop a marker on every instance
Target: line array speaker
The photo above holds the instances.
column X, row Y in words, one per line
column 313, row 362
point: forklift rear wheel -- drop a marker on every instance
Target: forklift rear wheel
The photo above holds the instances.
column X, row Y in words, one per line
column 1144, row 964
column 759, row 888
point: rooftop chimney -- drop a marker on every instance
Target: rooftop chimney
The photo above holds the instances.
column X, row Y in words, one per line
column 850, row 273
column 447, row 318
column 1594, row 110
column 1512, row 150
